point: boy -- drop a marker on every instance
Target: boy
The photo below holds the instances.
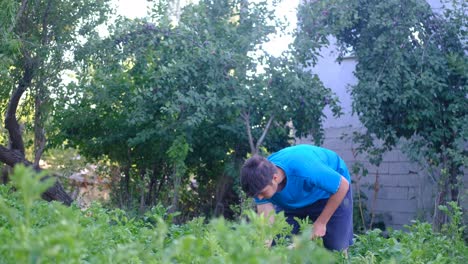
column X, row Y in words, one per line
column 304, row 180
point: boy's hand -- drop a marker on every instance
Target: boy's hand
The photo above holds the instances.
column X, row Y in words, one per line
column 319, row 230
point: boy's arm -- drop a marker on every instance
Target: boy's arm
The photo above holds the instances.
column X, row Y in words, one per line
column 320, row 225
column 266, row 210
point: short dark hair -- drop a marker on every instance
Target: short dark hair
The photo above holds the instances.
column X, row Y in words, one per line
column 256, row 173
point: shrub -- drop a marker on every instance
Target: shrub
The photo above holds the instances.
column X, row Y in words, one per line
column 34, row 231
column 418, row 244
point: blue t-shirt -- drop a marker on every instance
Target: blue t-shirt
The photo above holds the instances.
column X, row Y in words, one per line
column 312, row 173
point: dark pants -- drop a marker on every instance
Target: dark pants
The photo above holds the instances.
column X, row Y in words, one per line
column 339, row 235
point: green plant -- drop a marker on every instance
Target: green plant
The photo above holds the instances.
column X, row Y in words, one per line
column 34, row 231
column 418, row 244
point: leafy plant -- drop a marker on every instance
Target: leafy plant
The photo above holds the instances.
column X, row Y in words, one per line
column 35, row 231
column 417, row 244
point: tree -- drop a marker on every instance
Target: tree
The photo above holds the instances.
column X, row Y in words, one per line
column 37, row 36
column 186, row 100
column 412, row 76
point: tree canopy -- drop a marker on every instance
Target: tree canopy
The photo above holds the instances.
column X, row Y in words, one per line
column 187, row 100
column 36, row 36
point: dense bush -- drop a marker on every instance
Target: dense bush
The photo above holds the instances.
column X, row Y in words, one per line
column 419, row 244
column 34, row 231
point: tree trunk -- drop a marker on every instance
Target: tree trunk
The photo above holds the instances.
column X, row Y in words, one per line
column 40, row 96
column 221, row 188
column 142, row 190
column 448, row 185
column 55, row 193
column 160, row 185
column 152, row 185
column 254, row 148
column 440, row 217
column 125, row 187
column 444, row 190
column 15, row 154
column 454, row 183
column 5, row 174
column 448, row 191
column 376, row 189
column 39, row 133
column 175, row 197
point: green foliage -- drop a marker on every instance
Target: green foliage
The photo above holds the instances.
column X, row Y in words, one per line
column 455, row 230
column 227, row 242
column 152, row 83
column 177, row 154
column 32, row 237
column 64, row 161
column 9, row 50
column 34, row 231
column 36, row 36
column 36, row 40
column 418, row 244
column 410, row 70
column 412, row 76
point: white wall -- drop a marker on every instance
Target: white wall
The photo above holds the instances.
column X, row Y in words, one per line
column 337, row 77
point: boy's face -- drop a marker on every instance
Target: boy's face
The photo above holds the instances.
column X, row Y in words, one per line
column 269, row 190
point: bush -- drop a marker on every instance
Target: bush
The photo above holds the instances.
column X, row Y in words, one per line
column 418, row 244
column 34, row 231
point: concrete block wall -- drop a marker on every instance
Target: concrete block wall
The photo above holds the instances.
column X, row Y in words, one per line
column 404, row 192
column 397, row 191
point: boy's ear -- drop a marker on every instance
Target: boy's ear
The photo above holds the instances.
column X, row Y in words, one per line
column 276, row 177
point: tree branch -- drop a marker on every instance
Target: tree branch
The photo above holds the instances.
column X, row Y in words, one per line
column 11, row 123
column 11, row 157
column 24, row 5
column 39, row 133
column 39, row 141
column 246, row 117
column 45, row 31
column 265, row 131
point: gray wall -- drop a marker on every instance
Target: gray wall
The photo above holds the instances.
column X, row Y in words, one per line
column 397, row 191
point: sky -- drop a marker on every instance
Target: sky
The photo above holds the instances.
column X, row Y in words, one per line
column 132, row 8
column 278, row 44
